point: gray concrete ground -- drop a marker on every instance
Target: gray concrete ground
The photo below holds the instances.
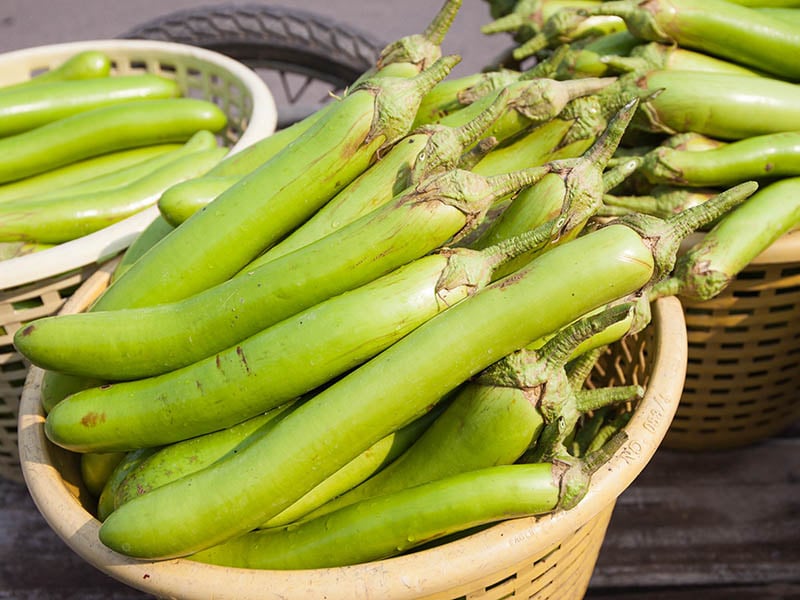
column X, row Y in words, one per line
column 26, row 23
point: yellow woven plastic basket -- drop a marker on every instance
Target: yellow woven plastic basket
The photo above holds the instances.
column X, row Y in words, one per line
column 548, row 557
column 38, row 284
column 743, row 374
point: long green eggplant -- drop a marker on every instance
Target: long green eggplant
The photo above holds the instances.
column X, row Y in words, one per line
column 60, row 179
column 493, row 420
column 398, row 385
column 762, row 157
column 531, row 102
column 528, row 17
column 173, row 461
column 719, row 105
column 96, row 469
column 183, row 458
column 105, row 502
column 658, row 55
column 182, row 200
column 60, row 219
column 532, row 148
column 572, row 194
column 148, row 237
column 404, row 57
column 278, row 363
column 130, row 343
column 738, row 237
column 566, row 26
column 446, row 96
column 389, row 525
column 428, row 150
column 153, row 158
column 106, row 129
column 277, row 197
column 30, row 107
column 668, row 236
column 86, row 64
column 717, row 27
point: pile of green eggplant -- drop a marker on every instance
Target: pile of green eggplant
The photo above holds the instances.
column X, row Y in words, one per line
column 371, row 331
column 719, row 103
column 84, row 147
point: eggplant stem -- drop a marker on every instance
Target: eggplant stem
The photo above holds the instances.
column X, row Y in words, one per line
column 508, row 249
column 597, row 458
column 440, row 25
column 579, row 369
column 591, row 400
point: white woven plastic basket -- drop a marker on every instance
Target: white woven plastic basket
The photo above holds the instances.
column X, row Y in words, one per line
column 38, row 284
column 550, row 557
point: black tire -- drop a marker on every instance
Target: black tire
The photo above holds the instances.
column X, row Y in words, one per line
column 301, row 55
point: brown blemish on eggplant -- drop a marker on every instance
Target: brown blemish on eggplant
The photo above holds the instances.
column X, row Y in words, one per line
column 27, row 330
column 91, row 419
column 243, row 358
column 510, row 279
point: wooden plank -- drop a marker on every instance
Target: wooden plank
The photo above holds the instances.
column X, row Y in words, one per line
column 724, row 525
column 36, row 564
column 708, row 518
column 766, row 592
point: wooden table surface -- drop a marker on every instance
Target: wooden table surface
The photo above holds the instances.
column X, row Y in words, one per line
column 722, row 525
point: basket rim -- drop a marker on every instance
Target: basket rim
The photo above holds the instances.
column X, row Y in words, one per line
column 101, row 245
column 786, row 249
column 423, row 573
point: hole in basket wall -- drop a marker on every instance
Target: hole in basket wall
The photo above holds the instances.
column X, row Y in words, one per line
column 736, row 329
column 793, row 289
column 781, row 308
column 790, row 271
column 763, row 358
column 751, row 274
column 728, row 361
column 732, row 345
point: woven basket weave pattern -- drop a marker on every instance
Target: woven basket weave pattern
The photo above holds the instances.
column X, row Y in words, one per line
column 743, row 376
column 18, row 306
column 198, row 80
column 200, row 74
